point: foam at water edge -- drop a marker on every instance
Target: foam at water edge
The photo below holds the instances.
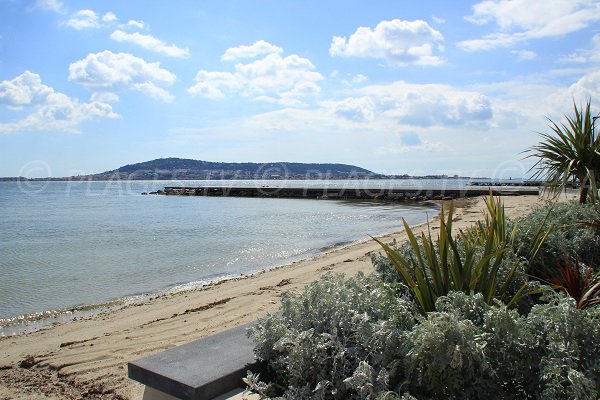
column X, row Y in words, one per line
column 33, row 322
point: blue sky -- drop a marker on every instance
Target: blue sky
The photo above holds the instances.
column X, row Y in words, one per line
column 425, row 87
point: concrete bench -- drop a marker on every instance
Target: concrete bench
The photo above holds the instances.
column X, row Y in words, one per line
column 207, row 368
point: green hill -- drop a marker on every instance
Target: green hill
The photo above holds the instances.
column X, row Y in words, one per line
column 180, row 168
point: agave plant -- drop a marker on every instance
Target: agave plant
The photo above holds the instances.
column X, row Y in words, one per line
column 456, row 263
column 495, row 225
column 571, row 151
column 583, row 287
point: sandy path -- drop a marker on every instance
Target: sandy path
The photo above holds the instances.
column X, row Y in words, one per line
column 87, row 358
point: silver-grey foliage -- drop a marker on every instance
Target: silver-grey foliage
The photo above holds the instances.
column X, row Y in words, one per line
column 357, row 339
column 341, row 338
column 569, row 236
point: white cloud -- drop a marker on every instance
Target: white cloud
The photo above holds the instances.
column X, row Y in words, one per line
column 135, row 24
column 574, row 58
column 581, row 56
column 355, row 109
column 491, row 41
column 421, row 122
column 213, row 85
column 519, row 20
column 438, row 20
column 105, row 97
column 291, row 120
column 411, row 126
column 351, row 80
column 426, row 105
column 359, row 78
column 397, row 41
column 523, row 104
column 421, row 108
column 50, row 5
column 273, row 79
column 109, row 17
column 122, row 71
column 418, row 106
column 351, row 141
column 47, row 109
column 524, row 55
column 588, row 86
column 420, row 148
column 154, row 91
column 89, row 19
column 24, row 90
column 151, row 43
column 83, row 19
column 536, row 17
column 258, row 48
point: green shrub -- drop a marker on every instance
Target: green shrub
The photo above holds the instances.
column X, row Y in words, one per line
column 383, row 266
column 469, row 349
column 375, row 337
column 356, row 339
column 339, row 338
column 478, row 260
column 384, row 269
column 568, row 235
column 446, row 357
column 570, row 366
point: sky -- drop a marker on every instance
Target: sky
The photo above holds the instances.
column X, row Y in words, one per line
column 397, row 87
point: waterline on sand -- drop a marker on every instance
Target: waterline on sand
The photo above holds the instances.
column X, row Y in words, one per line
column 58, row 253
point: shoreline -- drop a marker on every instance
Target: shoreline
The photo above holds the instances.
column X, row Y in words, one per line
column 40, row 320
column 87, row 357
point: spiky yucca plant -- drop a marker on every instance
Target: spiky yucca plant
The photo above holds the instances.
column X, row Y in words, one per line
column 572, row 150
column 467, row 262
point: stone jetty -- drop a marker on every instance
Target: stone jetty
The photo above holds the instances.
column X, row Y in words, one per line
column 396, row 194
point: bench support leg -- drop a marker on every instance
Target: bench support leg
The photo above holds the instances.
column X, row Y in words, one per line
column 153, row 394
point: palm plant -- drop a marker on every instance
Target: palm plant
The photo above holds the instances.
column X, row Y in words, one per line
column 571, row 151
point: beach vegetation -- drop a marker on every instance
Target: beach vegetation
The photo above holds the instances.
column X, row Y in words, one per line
column 477, row 260
column 578, row 281
column 572, row 233
column 338, row 338
column 571, row 151
column 434, row 321
column 467, row 349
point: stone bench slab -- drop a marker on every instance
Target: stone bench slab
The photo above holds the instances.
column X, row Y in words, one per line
column 200, row 370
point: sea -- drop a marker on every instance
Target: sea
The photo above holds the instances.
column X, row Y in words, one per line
column 75, row 248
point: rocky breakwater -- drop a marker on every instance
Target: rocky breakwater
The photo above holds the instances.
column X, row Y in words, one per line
column 404, row 194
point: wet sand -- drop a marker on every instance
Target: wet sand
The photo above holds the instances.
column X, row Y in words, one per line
column 87, row 357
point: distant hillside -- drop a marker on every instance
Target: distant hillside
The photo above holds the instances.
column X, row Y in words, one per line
column 179, row 168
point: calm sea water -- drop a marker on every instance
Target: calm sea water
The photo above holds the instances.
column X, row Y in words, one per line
column 67, row 244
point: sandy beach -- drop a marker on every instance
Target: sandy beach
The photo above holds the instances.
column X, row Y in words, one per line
column 87, row 357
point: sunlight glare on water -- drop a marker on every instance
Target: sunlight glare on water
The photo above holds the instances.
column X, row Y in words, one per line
column 65, row 244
